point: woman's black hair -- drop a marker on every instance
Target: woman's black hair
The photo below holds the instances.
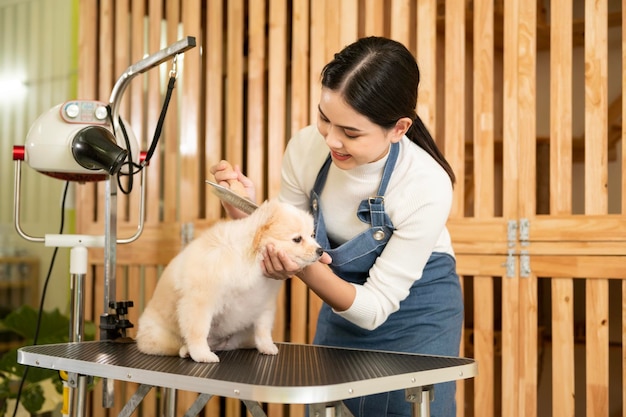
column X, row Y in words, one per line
column 378, row 77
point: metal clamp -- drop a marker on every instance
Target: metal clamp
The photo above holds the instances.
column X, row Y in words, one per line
column 420, row 397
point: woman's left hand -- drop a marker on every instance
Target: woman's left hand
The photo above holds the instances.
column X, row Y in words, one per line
column 277, row 265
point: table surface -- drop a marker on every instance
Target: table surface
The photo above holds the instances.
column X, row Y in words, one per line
column 299, row 374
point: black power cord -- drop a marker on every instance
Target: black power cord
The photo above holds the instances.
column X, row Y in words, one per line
column 135, row 168
column 43, row 298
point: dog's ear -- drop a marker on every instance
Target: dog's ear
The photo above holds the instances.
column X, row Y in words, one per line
column 268, row 215
column 266, row 210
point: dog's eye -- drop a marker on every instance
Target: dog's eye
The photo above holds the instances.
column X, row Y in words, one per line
column 297, row 239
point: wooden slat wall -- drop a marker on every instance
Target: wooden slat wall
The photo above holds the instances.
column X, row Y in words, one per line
column 623, row 206
column 253, row 80
column 483, row 151
column 510, row 184
column 596, row 202
column 527, row 203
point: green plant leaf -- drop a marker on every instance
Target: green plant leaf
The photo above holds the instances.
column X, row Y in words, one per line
column 54, row 328
column 33, row 398
column 23, row 321
column 4, row 394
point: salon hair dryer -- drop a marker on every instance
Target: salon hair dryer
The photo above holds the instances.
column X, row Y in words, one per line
column 74, row 141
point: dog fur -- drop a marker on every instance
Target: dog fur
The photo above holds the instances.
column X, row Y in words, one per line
column 213, row 294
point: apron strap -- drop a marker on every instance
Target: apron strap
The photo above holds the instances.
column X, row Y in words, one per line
column 371, row 210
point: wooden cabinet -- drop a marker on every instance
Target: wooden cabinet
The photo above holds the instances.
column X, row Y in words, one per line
column 19, row 278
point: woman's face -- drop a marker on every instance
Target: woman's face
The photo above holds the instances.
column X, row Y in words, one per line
column 352, row 138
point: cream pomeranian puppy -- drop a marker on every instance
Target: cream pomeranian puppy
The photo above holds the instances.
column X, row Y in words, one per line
column 213, row 294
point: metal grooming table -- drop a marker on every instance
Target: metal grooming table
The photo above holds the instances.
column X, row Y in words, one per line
column 299, row 374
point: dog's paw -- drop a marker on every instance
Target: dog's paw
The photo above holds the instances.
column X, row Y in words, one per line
column 267, row 347
column 203, row 355
column 183, row 352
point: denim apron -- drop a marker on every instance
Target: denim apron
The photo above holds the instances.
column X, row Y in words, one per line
column 429, row 320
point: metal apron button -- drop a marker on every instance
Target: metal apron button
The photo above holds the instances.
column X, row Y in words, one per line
column 379, row 235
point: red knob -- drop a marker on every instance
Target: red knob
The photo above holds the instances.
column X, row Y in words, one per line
column 18, row 153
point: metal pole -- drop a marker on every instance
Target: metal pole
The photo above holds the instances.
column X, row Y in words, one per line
column 110, row 255
column 78, row 272
column 420, row 398
column 168, row 402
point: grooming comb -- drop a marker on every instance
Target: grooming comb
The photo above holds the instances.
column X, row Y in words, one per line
column 232, row 198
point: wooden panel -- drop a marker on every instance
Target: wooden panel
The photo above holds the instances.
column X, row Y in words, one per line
column 577, row 248
column 190, row 185
column 481, row 264
column 563, row 365
column 277, row 100
column 596, row 106
column 349, row 12
column 510, row 185
column 426, row 55
column 528, row 355
column 300, row 67
column 623, row 125
column 171, row 129
column 596, row 201
column 528, row 298
column 257, row 77
column 561, row 104
column 400, row 18
column 478, row 230
column 136, row 89
column 588, row 228
column 454, row 80
column 157, row 245
column 318, row 57
column 484, row 346
column 579, row 266
column 623, row 345
column 331, row 37
column 214, row 98
column 233, row 105
column 299, row 119
column 623, row 207
column 374, row 18
column 563, row 347
column 276, row 137
column 318, row 54
column 597, row 357
column 483, row 137
column 510, row 340
column 526, row 69
column 152, row 108
column 134, row 115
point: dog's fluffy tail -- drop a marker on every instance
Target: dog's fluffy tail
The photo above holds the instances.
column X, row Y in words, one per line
column 155, row 340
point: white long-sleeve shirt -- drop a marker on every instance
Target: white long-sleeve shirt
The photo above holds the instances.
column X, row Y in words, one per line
column 418, row 201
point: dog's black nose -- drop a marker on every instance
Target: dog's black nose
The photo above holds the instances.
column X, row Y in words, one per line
column 319, row 251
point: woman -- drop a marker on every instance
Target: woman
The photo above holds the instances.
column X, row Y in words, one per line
column 380, row 192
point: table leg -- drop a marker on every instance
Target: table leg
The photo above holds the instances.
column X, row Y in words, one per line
column 168, row 401
column 254, row 408
column 135, row 400
column 420, row 398
column 335, row 409
column 198, row 405
column 78, row 395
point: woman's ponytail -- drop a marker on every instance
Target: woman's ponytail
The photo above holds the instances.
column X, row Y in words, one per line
column 419, row 134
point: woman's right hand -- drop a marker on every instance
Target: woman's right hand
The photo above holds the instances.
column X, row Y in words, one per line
column 231, row 177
